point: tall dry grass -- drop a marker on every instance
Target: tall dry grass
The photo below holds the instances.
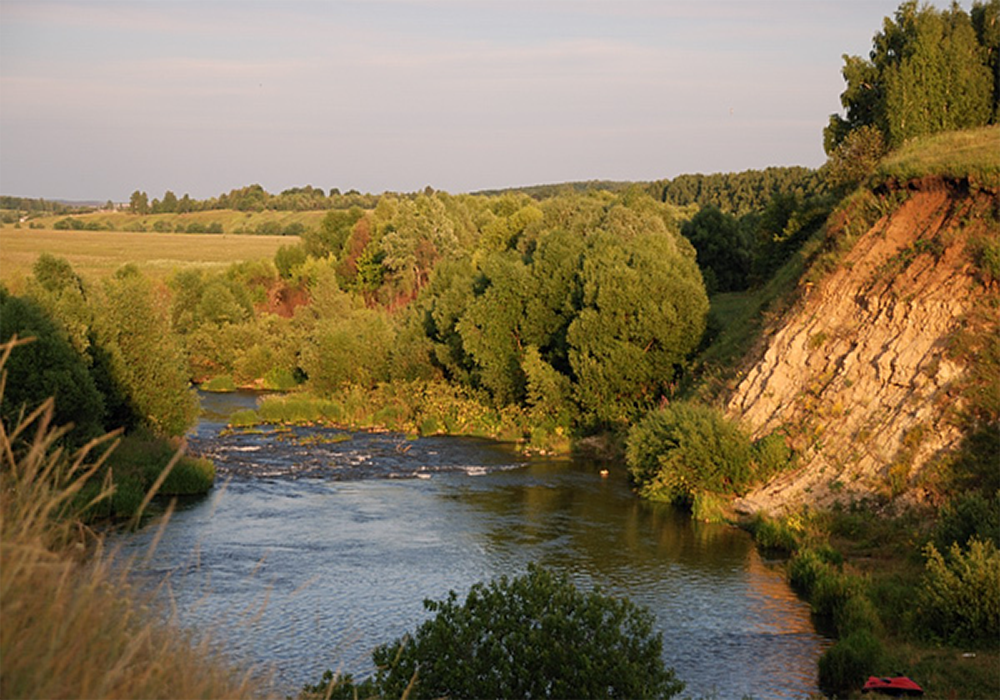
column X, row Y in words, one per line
column 71, row 625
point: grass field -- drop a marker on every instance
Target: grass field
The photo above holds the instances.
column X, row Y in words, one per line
column 230, row 220
column 96, row 254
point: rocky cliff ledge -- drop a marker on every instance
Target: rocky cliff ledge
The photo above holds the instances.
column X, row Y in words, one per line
column 858, row 373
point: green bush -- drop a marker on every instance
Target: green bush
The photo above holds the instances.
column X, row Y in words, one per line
column 221, row 384
column 960, row 598
column 189, row 476
column 533, row 636
column 129, row 492
column 245, row 418
column 805, row 569
column 708, row 508
column 773, row 534
column 683, row 448
column 771, row 456
column 967, row 516
column 279, row 379
column 846, row 665
column 857, row 613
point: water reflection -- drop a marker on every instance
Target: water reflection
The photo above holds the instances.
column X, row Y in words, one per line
column 311, row 571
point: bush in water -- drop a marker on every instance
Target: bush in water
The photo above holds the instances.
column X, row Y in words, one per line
column 683, row 448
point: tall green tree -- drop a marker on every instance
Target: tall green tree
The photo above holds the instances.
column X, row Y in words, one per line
column 139, row 203
column 644, row 310
column 48, row 366
column 145, row 357
column 927, row 72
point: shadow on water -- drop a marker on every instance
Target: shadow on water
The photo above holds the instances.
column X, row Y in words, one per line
column 323, row 544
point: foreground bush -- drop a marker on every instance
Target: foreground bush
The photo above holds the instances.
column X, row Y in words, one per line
column 534, row 636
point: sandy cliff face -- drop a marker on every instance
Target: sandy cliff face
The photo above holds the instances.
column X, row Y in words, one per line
column 857, row 374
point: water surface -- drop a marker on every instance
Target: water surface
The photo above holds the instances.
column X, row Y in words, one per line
column 318, row 545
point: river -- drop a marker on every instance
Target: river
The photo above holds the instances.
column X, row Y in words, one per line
column 316, row 545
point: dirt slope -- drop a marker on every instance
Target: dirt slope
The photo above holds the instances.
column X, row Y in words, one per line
column 857, row 373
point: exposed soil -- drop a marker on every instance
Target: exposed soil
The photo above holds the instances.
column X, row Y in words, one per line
column 857, row 374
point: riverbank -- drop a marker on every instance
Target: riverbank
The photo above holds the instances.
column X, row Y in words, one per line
column 898, row 592
column 420, row 408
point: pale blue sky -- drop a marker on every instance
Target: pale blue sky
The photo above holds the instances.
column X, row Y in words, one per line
column 98, row 99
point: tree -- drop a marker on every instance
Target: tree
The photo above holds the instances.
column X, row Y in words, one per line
column 491, row 326
column 169, row 202
column 143, row 355
column 855, row 158
column 643, row 310
column 139, row 203
column 46, row 367
column 986, row 21
column 724, row 249
column 531, row 636
column 927, row 72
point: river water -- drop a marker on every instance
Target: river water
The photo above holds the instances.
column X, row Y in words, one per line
column 316, row 545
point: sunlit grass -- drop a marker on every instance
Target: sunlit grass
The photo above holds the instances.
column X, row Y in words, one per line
column 72, row 624
column 97, row 254
column 973, row 153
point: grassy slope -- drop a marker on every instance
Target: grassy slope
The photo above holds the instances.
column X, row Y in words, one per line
column 974, row 153
column 96, row 254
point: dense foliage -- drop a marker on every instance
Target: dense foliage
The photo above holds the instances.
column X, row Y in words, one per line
column 579, row 309
column 531, row 636
column 683, row 450
column 739, row 194
column 107, row 356
column 960, row 598
column 928, row 71
column 45, row 367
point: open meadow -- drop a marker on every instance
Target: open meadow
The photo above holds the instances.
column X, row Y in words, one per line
column 96, row 254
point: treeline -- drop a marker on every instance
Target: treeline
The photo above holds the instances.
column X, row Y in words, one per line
column 30, row 205
column 928, row 71
column 734, row 193
column 740, row 193
column 252, row 198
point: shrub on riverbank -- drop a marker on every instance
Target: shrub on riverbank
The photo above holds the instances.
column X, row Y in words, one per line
column 685, row 449
column 134, row 466
column 960, row 595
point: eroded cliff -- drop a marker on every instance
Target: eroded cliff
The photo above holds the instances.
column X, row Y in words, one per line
column 858, row 374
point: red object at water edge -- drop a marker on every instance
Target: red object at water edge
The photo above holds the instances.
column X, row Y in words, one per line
column 899, row 685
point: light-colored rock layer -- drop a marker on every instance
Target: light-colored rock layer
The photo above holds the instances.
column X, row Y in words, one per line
column 857, row 374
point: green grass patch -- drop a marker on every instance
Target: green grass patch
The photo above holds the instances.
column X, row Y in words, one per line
column 973, row 154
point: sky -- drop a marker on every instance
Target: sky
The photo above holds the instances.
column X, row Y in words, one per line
column 98, row 99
